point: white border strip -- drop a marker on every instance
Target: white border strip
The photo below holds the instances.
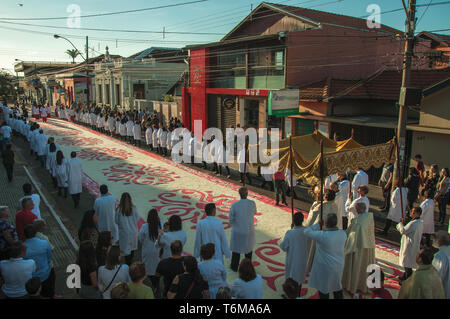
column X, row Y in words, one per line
column 52, row 211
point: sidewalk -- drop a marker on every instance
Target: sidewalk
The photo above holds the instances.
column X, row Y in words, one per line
column 63, row 252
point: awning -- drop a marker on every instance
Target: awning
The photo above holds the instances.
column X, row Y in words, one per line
column 361, row 120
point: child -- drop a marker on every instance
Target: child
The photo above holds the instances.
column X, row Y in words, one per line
column 137, row 288
column 381, row 293
column 137, row 133
column 33, row 288
column 148, row 136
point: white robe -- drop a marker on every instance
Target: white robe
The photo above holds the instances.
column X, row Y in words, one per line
column 117, row 127
column 62, row 173
column 350, row 207
column 441, row 262
column 137, row 132
column 341, row 197
column 241, row 160
column 360, row 179
column 150, row 251
column 122, row 129
column 395, row 211
column 169, row 140
column 148, row 136
column 210, row 230
column 105, row 208
column 410, row 243
column 155, row 138
column 241, row 219
column 129, row 125
column 330, row 179
column 428, row 215
column 128, row 231
column 41, row 144
column 75, row 176
column 168, row 238
column 163, row 138
column 51, row 163
column 295, row 246
column 215, row 274
column 328, row 264
column 267, row 173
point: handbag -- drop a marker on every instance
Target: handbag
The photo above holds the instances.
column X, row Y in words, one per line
column 112, row 280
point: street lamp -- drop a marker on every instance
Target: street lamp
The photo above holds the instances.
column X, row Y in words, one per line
column 85, row 60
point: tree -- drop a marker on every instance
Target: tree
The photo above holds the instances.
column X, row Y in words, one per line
column 73, row 54
column 7, row 90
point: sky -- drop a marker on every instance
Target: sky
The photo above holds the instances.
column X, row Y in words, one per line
column 36, row 43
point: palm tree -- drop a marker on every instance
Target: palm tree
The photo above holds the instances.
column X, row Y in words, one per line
column 73, row 54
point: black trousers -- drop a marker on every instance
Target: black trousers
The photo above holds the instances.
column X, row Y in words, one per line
column 48, row 285
column 268, row 182
column 247, row 175
column 427, row 239
column 344, row 223
column 228, row 170
column 279, row 189
column 129, row 258
column 76, row 199
column 235, row 257
column 9, row 171
column 336, row 294
column 387, row 225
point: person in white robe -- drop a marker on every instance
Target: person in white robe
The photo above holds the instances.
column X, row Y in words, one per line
column 341, row 189
column 137, row 134
column 360, row 179
column 223, row 155
column 150, row 250
column 123, row 130
column 328, row 265
column 213, row 150
column 105, row 209
column 241, row 218
column 395, row 210
column 410, row 242
column 212, row 269
column 243, row 165
column 129, row 125
column 51, row 162
column 126, row 218
column 61, row 173
column 163, row 140
column 41, row 146
column 350, row 206
column 295, row 246
column 155, row 138
column 267, row 173
column 111, row 125
column 359, row 251
column 330, row 179
column 169, row 141
column 427, row 216
column 118, row 127
column 210, row 230
column 75, row 178
column 191, row 146
column 441, row 260
column 148, row 136
column 174, row 231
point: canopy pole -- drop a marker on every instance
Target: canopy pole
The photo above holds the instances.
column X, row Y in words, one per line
column 292, row 178
column 321, row 183
column 245, row 161
column 400, row 176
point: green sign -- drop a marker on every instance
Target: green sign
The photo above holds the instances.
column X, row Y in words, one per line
column 283, row 103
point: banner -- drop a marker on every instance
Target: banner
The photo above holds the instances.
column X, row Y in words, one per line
column 283, row 103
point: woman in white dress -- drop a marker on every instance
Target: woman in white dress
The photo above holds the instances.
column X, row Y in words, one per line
column 249, row 285
column 172, row 232
column 148, row 237
column 126, row 219
column 112, row 272
column 212, row 269
column 61, row 173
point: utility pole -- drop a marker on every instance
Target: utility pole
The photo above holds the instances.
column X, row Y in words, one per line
column 87, row 72
column 403, row 108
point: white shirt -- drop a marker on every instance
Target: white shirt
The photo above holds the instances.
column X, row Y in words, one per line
column 16, row 272
column 247, row 290
column 105, row 207
column 295, row 246
column 168, row 238
column 427, row 215
column 360, row 179
column 105, row 276
column 441, row 263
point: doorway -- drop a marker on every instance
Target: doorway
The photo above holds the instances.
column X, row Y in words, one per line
column 251, row 113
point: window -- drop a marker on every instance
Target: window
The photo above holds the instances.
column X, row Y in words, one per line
column 108, row 96
column 139, row 91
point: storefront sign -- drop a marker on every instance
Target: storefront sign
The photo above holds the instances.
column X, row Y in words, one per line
column 228, row 103
column 284, row 102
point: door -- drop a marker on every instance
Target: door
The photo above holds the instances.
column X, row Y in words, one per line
column 251, row 113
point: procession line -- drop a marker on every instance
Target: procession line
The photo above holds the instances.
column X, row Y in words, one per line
column 384, row 246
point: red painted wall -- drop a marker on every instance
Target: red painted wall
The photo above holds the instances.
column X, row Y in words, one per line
column 199, row 63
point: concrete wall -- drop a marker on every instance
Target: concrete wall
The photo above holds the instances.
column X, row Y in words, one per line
column 436, row 110
column 433, row 147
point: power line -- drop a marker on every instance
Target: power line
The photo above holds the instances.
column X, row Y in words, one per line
column 111, row 13
column 110, row 30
